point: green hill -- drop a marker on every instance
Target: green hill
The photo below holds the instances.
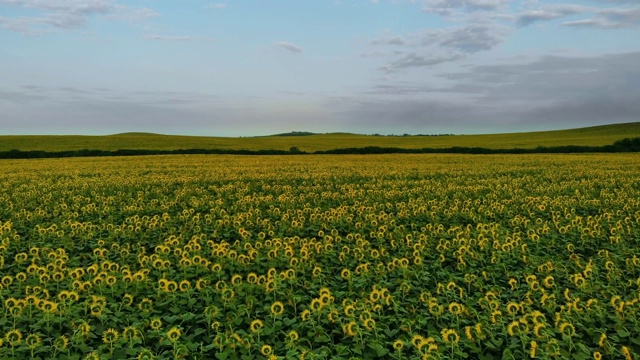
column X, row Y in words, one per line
column 590, row 136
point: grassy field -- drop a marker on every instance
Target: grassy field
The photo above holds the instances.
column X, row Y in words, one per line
column 402, row 257
column 594, row 136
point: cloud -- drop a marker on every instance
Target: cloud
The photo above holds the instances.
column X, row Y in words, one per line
column 167, row 38
column 548, row 92
column 549, row 12
column 414, row 60
column 445, row 45
column 67, row 14
column 389, row 41
column 448, row 7
column 218, row 6
column 20, row 96
column 468, row 39
column 289, row 46
column 610, row 19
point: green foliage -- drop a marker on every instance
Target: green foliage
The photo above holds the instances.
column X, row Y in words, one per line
column 321, row 257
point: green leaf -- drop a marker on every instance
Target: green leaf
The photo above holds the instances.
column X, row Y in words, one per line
column 379, row 349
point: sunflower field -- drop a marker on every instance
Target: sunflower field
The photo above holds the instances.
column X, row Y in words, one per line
column 321, row 257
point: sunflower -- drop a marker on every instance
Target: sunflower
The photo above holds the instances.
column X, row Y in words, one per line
column 61, row 343
column 277, row 308
column 252, row 278
column 450, row 336
column 345, row 274
column 174, row 334
column 293, row 335
column 513, row 308
column 236, row 279
column 184, row 285
column 513, row 327
column 172, row 286
column 13, row 337
column 256, row 326
column 455, row 308
column 145, row 305
column 110, row 336
column 316, row 304
column 603, row 340
column 567, row 329
column 417, row 341
column 349, row 310
column 155, row 324
column 369, row 323
column 131, row 332
column 534, row 349
column 266, row 350
column 350, row 328
column 127, row 299
column 32, row 341
column 398, row 345
column 96, row 310
column 305, row 315
column 597, row 355
column 92, row 356
column 468, row 333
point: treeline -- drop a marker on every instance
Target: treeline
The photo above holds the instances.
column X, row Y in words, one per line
column 624, row 145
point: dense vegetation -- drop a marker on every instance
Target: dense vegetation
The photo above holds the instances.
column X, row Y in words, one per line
column 624, row 145
column 321, row 257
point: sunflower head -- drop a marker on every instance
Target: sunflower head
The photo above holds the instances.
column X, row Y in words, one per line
column 32, row 341
column 398, row 345
column 61, row 343
column 110, row 336
column 266, row 350
column 155, row 324
column 13, row 337
column 146, row 354
column 293, row 335
column 277, row 308
column 174, row 334
column 256, row 326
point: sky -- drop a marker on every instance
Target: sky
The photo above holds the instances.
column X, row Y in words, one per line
column 259, row 67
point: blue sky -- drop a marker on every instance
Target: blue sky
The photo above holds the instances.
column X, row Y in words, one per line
column 243, row 68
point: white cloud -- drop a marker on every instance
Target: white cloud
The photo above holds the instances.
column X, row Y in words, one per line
column 549, row 12
column 218, row 6
column 167, row 38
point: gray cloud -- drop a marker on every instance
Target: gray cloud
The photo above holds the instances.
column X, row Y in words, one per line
column 551, row 91
column 389, row 41
column 413, row 60
column 447, row 45
column 289, row 46
column 68, row 14
column 448, row 7
column 468, row 39
column 20, row 96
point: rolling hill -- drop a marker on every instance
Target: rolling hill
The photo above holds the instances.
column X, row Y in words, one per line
column 591, row 136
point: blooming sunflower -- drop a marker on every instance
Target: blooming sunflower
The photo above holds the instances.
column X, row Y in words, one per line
column 110, row 336
column 256, row 326
column 174, row 334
